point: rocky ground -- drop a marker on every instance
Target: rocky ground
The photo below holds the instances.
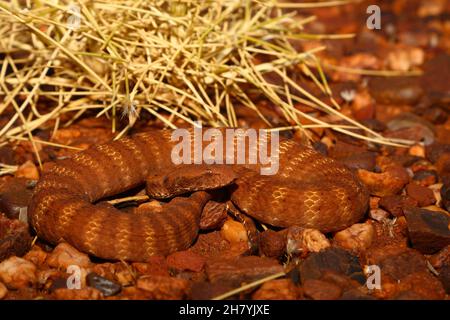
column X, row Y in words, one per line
column 405, row 233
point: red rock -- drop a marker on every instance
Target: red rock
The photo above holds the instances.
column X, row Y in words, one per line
column 272, row 244
column 333, row 259
column 378, row 214
column 36, row 255
column 279, row 289
column 241, row 269
column 321, row 290
column 234, row 231
column 211, row 244
column 186, row 260
column 15, row 238
column 15, row 196
column 397, row 204
column 17, row 273
column 164, row 288
column 428, row 230
column 355, row 238
column 204, row 290
column 302, row 241
column 155, row 266
column 363, row 160
column 118, row 272
column 424, row 196
column 28, row 170
column 439, row 259
column 81, row 294
column 65, row 255
column 389, row 182
column 402, row 269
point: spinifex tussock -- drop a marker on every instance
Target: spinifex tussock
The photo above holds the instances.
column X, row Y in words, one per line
column 194, row 60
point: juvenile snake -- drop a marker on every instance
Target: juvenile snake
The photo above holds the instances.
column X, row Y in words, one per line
column 309, row 190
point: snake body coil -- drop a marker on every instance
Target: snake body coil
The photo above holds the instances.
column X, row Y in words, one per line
column 309, row 190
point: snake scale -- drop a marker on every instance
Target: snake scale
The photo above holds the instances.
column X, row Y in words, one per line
column 309, row 190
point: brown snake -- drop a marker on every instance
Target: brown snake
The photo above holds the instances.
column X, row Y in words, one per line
column 309, row 190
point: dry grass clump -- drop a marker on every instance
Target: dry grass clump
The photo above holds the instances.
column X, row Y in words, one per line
column 194, row 60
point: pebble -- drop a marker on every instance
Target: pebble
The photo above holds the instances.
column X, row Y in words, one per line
column 272, row 244
column 402, row 269
column 396, row 204
column 423, row 195
column 428, row 230
column 356, row 238
column 15, row 238
column 202, row 290
column 234, row 231
column 36, row 255
column 378, row 214
column 117, row 272
column 87, row 293
column 65, row 255
column 389, row 182
column 164, row 288
column 278, row 289
column 332, row 259
column 155, row 265
column 17, row 273
column 362, row 160
column 186, row 261
column 302, row 241
column 105, row 286
column 15, row 196
column 28, row 170
column 321, row 290
column 238, row 270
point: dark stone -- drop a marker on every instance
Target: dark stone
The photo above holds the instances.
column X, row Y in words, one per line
column 396, row 204
column 428, row 230
column 331, row 259
column 107, row 287
column 15, row 196
column 423, row 195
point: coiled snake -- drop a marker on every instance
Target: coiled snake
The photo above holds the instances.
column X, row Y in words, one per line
column 309, row 190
